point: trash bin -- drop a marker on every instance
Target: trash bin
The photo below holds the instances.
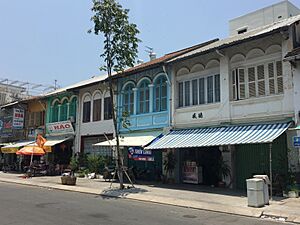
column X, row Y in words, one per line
column 255, row 192
column 266, row 180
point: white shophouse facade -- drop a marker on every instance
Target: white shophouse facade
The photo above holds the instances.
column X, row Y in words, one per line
column 240, row 80
column 94, row 116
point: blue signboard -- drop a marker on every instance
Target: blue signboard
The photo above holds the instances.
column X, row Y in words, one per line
column 139, row 154
column 296, row 141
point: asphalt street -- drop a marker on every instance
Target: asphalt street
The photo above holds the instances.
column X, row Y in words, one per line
column 24, row 205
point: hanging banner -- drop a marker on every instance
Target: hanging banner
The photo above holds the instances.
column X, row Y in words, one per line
column 18, row 118
column 63, row 127
column 6, row 126
column 139, row 154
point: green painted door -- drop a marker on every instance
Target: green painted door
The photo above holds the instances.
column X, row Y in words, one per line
column 253, row 159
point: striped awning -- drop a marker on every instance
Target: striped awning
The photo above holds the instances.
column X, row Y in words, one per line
column 229, row 135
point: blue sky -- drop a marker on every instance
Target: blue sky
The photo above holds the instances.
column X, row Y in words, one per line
column 43, row 40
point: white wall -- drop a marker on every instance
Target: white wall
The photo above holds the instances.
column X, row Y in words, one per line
column 92, row 128
column 263, row 17
column 267, row 108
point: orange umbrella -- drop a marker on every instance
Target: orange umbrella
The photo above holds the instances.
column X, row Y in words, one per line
column 31, row 150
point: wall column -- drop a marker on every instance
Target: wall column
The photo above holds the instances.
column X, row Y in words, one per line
column 59, row 112
column 135, row 102
column 68, row 110
column 151, row 95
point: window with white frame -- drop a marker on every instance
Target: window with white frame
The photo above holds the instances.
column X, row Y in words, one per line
column 107, row 108
column 160, row 94
column 128, row 99
column 257, row 80
column 144, row 99
column 199, row 91
column 86, row 115
column 97, row 107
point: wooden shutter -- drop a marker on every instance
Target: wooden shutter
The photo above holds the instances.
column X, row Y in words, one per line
column 261, row 80
column 271, row 78
column 233, row 83
column 241, row 81
column 279, row 77
column 251, row 82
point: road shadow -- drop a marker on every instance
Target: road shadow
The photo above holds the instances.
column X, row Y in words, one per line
column 118, row 193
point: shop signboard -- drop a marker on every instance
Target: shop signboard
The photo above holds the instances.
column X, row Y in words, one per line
column 140, row 154
column 33, row 132
column 59, row 128
column 296, row 141
column 6, row 126
column 18, row 118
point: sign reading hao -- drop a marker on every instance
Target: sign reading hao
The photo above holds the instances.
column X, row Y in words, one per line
column 139, row 154
column 18, row 118
column 63, row 127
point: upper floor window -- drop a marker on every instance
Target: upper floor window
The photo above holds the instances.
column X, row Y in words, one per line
column 107, row 109
column 36, row 119
column 160, row 94
column 55, row 112
column 64, row 111
column 144, row 97
column 199, row 91
column 97, row 107
column 72, row 108
column 128, row 99
column 257, row 80
column 86, row 115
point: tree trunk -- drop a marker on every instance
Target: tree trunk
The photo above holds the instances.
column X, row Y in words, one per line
column 119, row 160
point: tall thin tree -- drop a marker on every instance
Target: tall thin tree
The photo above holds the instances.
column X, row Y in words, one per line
column 120, row 48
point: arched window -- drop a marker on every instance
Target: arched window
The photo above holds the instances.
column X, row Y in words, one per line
column 97, row 107
column 64, row 111
column 54, row 116
column 72, row 108
column 160, row 94
column 86, row 115
column 144, row 97
column 128, row 99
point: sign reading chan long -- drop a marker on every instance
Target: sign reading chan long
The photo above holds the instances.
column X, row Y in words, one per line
column 63, row 127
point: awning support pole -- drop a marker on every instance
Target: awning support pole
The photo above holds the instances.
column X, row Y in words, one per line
column 271, row 179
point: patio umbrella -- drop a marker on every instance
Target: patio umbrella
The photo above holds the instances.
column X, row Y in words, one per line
column 31, row 150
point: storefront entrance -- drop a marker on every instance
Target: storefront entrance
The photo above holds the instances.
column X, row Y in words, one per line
column 254, row 159
column 200, row 165
column 145, row 168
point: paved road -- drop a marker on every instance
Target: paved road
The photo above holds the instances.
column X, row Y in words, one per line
column 23, row 205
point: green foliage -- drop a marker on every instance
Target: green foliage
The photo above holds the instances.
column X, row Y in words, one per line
column 223, row 169
column 74, row 164
column 170, row 163
column 125, row 120
column 120, row 41
column 96, row 163
column 82, row 160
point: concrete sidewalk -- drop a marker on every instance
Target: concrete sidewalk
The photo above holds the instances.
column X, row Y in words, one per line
column 197, row 197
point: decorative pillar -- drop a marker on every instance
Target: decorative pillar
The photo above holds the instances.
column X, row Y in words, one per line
column 151, row 87
column 68, row 110
column 50, row 118
column 59, row 110
column 135, row 101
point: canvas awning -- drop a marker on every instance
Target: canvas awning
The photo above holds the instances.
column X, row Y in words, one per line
column 226, row 135
column 13, row 148
column 140, row 139
column 51, row 142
